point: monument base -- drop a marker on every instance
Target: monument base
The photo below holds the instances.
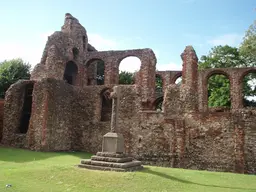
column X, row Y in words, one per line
column 106, row 161
column 112, row 157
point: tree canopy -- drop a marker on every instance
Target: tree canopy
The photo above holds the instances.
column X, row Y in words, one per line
column 224, row 57
column 11, row 71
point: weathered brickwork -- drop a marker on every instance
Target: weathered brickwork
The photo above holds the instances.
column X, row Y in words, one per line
column 1, row 117
column 69, row 111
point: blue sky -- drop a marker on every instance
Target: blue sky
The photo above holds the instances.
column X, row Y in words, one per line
column 166, row 26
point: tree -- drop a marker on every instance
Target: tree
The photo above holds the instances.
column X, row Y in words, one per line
column 100, row 72
column 11, row 71
column 126, row 77
column 159, row 82
column 218, row 85
column 248, row 46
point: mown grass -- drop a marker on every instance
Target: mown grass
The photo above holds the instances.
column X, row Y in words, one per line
column 29, row 171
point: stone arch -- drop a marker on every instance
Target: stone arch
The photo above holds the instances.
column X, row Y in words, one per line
column 218, row 82
column 157, row 104
column 95, row 71
column 177, row 76
column 106, row 105
column 216, row 72
column 70, row 73
column 248, row 85
column 128, row 66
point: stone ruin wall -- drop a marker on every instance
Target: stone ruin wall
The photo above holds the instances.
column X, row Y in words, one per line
column 185, row 134
column 1, row 117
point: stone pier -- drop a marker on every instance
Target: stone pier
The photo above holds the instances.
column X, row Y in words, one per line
column 112, row 157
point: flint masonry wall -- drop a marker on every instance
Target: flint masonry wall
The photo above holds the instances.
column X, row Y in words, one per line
column 1, row 117
column 186, row 133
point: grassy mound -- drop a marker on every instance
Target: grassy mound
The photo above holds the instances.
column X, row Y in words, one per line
column 29, row 171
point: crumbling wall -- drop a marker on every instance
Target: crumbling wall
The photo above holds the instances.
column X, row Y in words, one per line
column 66, row 112
column 13, row 106
column 1, row 117
column 185, row 134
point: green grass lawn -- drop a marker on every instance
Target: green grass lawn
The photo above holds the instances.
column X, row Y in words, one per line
column 29, row 171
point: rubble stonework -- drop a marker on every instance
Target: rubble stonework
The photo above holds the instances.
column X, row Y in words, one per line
column 67, row 108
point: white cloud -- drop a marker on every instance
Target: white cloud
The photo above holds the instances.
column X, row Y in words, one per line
column 30, row 50
column 130, row 64
column 227, row 39
column 101, row 43
column 169, row 67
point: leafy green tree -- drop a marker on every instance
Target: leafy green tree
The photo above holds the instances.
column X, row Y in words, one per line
column 248, row 46
column 218, row 91
column 126, row 77
column 11, row 71
column 100, row 72
column 218, row 85
column 221, row 57
column 159, row 82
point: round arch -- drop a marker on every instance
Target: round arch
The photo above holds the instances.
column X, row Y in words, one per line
column 218, row 94
column 95, row 69
column 128, row 68
column 176, row 77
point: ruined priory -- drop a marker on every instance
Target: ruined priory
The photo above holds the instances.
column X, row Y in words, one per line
column 61, row 108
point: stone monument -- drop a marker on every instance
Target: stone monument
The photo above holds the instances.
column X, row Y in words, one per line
column 112, row 157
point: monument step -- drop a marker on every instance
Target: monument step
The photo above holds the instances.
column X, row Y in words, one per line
column 94, row 167
column 111, row 159
column 109, row 154
column 111, row 164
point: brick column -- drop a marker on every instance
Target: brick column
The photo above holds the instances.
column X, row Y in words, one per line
column 190, row 67
column 236, row 92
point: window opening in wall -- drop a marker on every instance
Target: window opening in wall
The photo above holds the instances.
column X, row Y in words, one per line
column 249, row 90
column 84, row 42
column 128, row 68
column 219, row 91
column 106, row 106
column 159, row 103
column 75, row 52
column 178, row 81
column 26, row 109
column 95, row 72
column 70, row 73
column 159, row 84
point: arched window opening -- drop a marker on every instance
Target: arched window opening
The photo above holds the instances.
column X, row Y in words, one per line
column 127, row 70
column 219, row 92
column 106, row 106
column 158, row 103
column 70, row 73
column 26, row 109
column 178, row 81
column 249, row 90
column 84, row 42
column 75, row 52
column 159, row 84
column 95, row 72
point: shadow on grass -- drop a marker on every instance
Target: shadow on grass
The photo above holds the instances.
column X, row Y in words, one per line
column 23, row 155
column 163, row 175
